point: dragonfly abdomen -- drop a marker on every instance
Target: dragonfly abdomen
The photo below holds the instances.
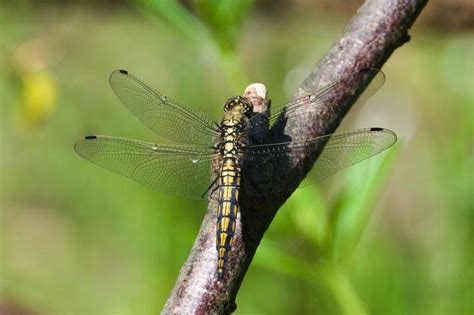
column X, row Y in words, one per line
column 227, row 211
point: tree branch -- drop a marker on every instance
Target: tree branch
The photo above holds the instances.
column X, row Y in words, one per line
column 378, row 28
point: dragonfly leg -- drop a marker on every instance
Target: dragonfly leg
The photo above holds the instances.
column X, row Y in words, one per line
column 208, row 188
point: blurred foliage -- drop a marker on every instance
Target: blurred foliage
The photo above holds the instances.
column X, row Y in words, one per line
column 215, row 28
column 224, row 19
column 392, row 235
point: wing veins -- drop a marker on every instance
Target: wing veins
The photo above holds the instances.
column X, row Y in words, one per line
column 162, row 115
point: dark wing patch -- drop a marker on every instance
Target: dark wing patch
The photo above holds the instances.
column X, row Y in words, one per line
column 309, row 103
column 339, row 151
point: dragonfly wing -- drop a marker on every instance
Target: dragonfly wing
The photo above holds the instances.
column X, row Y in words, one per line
column 162, row 115
column 339, row 151
column 345, row 149
column 309, row 103
column 171, row 169
column 302, row 104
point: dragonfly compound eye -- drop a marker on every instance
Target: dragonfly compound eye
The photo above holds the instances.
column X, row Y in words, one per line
column 231, row 103
column 247, row 106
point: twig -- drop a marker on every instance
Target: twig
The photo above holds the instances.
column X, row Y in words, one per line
column 378, row 28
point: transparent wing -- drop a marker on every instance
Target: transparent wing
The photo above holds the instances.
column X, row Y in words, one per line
column 171, row 169
column 346, row 149
column 339, row 151
column 304, row 104
column 163, row 116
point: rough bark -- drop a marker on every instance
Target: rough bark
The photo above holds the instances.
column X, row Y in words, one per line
column 377, row 29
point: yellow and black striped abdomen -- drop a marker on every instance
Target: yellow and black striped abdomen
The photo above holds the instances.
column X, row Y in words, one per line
column 227, row 211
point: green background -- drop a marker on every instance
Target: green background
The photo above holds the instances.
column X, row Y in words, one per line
column 392, row 235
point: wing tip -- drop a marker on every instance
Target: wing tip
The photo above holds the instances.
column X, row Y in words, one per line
column 386, row 131
column 117, row 72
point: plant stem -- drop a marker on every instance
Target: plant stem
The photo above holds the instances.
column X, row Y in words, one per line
column 344, row 294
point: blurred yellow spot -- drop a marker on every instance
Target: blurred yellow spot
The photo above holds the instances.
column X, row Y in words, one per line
column 38, row 97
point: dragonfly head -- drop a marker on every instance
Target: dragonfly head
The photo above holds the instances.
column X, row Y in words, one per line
column 238, row 103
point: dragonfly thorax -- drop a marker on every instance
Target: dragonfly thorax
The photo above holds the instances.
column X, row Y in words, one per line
column 231, row 144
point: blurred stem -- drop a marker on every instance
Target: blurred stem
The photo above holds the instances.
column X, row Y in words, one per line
column 232, row 68
column 175, row 14
column 373, row 191
column 355, row 205
column 285, row 263
column 344, row 294
column 332, row 277
column 194, row 29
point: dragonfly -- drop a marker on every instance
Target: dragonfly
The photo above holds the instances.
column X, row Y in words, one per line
column 210, row 158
